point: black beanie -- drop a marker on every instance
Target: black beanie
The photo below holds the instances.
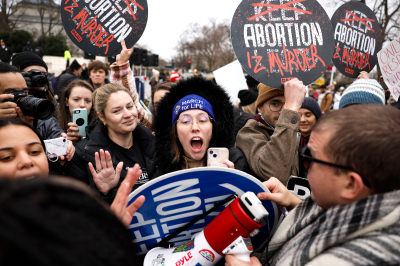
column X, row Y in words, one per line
column 247, row 97
column 75, row 65
column 312, row 105
column 26, row 59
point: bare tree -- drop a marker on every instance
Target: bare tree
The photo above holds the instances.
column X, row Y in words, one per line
column 10, row 9
column 49, row 14
column 208, row 45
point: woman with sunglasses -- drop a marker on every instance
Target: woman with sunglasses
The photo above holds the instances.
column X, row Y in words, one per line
column 310, row 112
column 195, row 115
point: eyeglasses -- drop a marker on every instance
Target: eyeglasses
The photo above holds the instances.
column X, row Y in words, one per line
column 276, row 106
column 305, row 152
column 201, row 120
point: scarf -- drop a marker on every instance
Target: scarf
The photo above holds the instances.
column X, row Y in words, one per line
column 366, row 232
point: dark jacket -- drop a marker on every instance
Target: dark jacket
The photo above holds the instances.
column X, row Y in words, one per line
column 96, row 140
column 39, row 51
column 63, row 81
column 239, row 117
column 5, row 54
column 27, row 48
column 49, row 129
column 222, row 133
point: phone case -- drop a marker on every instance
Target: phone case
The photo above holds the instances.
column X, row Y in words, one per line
column 80, row 117
column 216, row 155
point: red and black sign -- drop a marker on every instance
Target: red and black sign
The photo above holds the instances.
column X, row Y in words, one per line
column 98, row 26
column 358, row 39
column 277, row 40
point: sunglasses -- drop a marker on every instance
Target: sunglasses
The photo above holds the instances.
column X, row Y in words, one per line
column 305, row 153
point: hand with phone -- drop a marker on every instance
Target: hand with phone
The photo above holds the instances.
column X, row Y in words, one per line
column 76, row 128
column 219, row 157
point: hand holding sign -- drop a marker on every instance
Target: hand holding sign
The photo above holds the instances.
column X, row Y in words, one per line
column 282, row 39
column 295, row 92
column 125, row 54
column 120, row 204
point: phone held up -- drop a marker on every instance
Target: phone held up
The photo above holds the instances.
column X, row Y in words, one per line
column 216, row 155
column 55, row 148
column 80, row 117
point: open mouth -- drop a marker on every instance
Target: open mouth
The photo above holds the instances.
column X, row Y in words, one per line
column 196, row 143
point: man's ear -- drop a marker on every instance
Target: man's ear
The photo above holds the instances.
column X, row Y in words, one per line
column 354, row 188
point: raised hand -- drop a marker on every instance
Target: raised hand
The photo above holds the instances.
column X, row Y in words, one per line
column 295, row 92
column 120, row 204
column 105, row 177
column 125, row 54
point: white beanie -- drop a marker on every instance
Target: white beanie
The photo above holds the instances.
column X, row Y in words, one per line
column 155, row 72
column 363, row 91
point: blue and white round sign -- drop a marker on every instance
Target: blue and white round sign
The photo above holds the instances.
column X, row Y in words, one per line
column 174, row 199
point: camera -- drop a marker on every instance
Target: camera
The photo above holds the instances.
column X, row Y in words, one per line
column 31, row 106
column 37, row 78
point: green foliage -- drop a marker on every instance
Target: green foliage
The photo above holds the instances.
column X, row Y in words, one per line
column 53, row 45
column 18, row 39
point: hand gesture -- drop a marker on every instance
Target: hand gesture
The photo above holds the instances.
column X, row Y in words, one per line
column 71, row 133
column 7, row 109
column 279, row 194
column 120, row 204
column 105, row 177
column 228, row 163
column 125, row 54
column 295, row 92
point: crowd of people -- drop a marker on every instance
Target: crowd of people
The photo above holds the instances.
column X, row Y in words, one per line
column 344, row 143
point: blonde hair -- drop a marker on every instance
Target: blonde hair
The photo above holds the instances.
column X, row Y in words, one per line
column 251, row 108
column 102, row 94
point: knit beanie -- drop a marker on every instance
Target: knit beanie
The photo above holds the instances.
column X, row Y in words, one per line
column 312, row 105
column 174, row 77
column 26, row 59
column 363, row 91
column 155, row 72
column 266, row 92
column 247, row 97
column 75, row 65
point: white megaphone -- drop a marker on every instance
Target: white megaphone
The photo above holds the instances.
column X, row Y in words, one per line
column 228, row 233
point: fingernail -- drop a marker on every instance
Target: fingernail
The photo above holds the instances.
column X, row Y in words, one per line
column 259, row 195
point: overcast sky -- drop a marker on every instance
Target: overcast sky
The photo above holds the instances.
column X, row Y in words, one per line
column 169, row 19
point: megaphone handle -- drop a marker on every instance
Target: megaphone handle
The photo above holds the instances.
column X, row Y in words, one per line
column 243, row 256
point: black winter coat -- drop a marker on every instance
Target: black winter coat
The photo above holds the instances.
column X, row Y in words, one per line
column 222, row 135
column 5, row 54
column 49, row 129
column 96, row 140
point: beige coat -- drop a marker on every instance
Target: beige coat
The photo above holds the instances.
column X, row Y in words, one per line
column 272, row 153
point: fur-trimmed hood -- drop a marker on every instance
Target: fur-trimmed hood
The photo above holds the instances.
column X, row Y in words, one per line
column 222, row 135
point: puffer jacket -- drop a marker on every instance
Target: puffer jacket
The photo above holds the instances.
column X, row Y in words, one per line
column 222, row 133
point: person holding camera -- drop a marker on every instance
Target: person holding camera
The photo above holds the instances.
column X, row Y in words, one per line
column 15, row 103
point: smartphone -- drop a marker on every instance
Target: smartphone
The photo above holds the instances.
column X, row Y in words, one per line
column 80, row 117
column 56, row 147
column 216, row 155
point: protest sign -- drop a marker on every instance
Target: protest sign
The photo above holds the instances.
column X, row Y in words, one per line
column 98, row 26
column 358, row 39
column 278, row 40
column 389, row 62
column 231, row 78
column 174, row 199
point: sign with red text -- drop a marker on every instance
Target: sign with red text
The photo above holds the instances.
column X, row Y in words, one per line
column 277, row 40
column 358, row 39
column 389, row 62
column 98, row 26
column 174, row 199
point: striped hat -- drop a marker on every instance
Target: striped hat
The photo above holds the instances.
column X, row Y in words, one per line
column 363, row 91
column 174, row 77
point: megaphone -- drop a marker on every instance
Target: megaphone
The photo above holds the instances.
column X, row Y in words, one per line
column 228, row 233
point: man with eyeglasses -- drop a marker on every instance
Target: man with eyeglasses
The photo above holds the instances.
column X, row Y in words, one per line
column 270, row 140
column 352, row 216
